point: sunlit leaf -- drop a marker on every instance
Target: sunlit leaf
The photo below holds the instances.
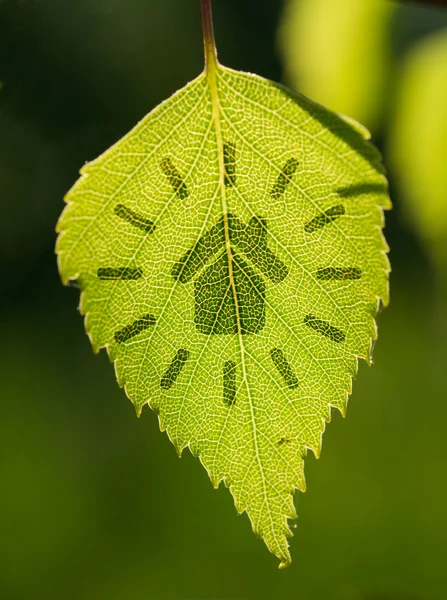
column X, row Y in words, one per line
column 230, row 257
column 418, row 142
column 338, row 52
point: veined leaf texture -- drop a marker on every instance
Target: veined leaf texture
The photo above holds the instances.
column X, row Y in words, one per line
column 230, row 256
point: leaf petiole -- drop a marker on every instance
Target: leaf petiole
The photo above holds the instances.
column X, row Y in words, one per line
column 208, row 36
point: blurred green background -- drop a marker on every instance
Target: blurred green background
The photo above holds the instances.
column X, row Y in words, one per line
column 94, row 503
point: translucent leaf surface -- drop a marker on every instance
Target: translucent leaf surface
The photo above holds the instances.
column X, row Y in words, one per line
column 231, row 260
column 419, row 142
column 337, row 52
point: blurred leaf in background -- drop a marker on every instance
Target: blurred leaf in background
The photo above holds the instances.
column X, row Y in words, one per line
column 418, row 142
column 337, row 52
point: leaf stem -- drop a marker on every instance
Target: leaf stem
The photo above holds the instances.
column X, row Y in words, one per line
column 208, row 36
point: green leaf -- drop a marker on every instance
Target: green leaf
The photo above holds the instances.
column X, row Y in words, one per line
column 418, row 142
column 231, row 260
column 338, row 52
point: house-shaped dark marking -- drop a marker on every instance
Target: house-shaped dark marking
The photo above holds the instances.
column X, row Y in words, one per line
column 229, row 290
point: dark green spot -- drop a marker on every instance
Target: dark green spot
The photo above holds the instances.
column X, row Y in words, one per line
column 284, row 368
column 119, row 273
column 135, row 219
column 175, row 179
column 362, row 188
column 134, row 328
column 197, row 256
column 229, row 382
column 174, row 369
column 283, row 441
column 230, row 163
column 284, row 178
column 251, row 239
column 229, row 305
column 327, row 217
column 324, row 328
column 229, row 294
column 339, row 273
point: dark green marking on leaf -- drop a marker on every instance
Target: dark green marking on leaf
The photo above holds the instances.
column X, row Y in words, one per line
column 174, row 369
column 230, row 163
column 284, row 178
column 284, row 368
column 226, row 307
column 324, row 328
column 339, row 273
column 134, row 218
column 283, row 440
column 229, row 382
column 175, row 179
column 327, row 217
column 362, row 188
column 197, row 257
column 134, row 328
column 252, row 241
column 119, row 273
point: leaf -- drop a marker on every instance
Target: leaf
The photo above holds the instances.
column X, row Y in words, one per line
column 231, row 260
column 418, row 142
column 338, row 52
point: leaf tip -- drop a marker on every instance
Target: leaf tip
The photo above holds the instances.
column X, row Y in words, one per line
column 285, row 562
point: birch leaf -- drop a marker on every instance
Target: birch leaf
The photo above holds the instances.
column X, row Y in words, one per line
column 230, row 257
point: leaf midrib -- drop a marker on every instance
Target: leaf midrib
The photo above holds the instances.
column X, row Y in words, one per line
column 212, row 82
